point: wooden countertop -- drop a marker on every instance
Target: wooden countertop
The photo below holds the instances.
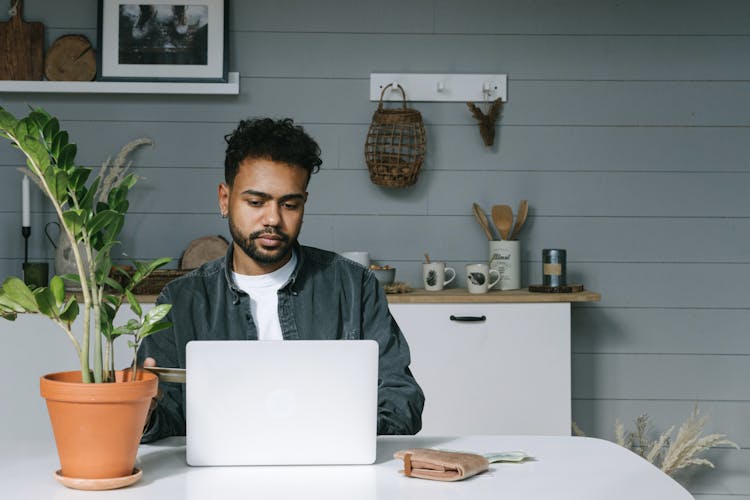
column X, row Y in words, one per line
column 461, row 295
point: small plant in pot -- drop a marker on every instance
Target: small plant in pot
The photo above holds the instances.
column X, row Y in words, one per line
column 97, row 413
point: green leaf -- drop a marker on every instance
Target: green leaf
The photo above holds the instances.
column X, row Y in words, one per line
column 57, row 288
column 129, row 328
column 157, row 263
column 60, row 140
column 157, row 314
column 79, row 176
column 57, row 180
column 134, row 305
column 17, row 291
column 71, row 277
column 103, row 220
column 50, row 130
column 39, row 118
column 6, row 304
column 38, row 153
column 114, row 285
column 25, row 131
column 73, row 219
column 7, row 121
column 145, row 332
column 87, row 201
column 129, row 181
column 70, row 311
column 67, row 156
column 45, row 301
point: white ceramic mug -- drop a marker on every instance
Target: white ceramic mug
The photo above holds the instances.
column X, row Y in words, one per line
column 360, row 257
column 505, row 258
column 434, row 276
column 478, row 278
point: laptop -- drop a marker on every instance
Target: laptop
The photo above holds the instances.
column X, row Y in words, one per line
column 298, row 402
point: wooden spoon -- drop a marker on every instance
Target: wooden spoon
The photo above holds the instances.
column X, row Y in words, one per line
column 523, row 211
column 481, row 217
column 502, row 216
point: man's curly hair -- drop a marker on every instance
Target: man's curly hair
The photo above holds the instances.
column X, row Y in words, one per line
column 275, row 140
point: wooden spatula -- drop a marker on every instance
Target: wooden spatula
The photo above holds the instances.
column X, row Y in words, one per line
column 21, row 48
column 481, row 217
column 502, row 216
column 523, row 211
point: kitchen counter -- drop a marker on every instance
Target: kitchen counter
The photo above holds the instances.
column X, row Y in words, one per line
column 462, row 296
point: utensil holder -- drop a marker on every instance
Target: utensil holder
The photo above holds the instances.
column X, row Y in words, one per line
column 505, row 258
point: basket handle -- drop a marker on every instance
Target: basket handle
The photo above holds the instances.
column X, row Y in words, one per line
column 403, row 95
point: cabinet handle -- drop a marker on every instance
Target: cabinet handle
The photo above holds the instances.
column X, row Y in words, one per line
column 468, row 318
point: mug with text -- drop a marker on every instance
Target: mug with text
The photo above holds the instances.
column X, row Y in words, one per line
column 436, row 275
column 478, row 278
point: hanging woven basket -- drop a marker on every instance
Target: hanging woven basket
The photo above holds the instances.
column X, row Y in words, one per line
column 395, row 145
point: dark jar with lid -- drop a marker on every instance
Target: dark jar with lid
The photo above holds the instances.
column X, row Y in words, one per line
column 553, row 267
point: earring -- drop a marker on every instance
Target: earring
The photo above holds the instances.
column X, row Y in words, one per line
column 223, row 215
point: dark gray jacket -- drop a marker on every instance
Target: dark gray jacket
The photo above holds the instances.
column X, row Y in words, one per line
column 327, row 297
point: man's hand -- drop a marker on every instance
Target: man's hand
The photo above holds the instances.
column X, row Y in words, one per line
column 149, row 363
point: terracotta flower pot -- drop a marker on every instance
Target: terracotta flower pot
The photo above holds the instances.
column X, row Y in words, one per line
column 97, row 427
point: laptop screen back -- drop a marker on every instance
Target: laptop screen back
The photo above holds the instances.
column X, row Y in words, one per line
column 300, row 402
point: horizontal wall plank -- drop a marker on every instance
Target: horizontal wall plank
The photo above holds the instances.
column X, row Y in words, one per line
column 598, row 194
column 661, row 376
column 579, row 17
column 592, row 17
column 517, row 148
column 521, row 57
column 594, row 193
column 660, row 331
column 578, row 103
column 459, row 238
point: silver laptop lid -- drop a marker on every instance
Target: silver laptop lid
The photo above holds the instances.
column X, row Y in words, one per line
column 299, row 402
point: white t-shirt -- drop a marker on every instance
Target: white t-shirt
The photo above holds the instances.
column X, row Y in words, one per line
column 264, row 300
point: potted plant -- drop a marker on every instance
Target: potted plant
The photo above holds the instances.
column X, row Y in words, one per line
column 97, row 413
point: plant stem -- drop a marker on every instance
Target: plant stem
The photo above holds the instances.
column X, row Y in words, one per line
column 83, row 352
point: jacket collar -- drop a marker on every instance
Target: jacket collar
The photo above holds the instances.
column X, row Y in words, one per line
column 229, row 259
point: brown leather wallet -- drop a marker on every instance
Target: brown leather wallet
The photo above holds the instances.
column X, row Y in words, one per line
column 440, row 465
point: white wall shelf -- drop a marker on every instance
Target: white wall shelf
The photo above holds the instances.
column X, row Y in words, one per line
column 232, row 87
column 440, row 87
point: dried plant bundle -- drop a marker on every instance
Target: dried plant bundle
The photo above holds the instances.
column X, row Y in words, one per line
column 113, row 173
column 669, row 455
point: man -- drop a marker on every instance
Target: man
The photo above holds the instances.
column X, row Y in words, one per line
column 268, row 286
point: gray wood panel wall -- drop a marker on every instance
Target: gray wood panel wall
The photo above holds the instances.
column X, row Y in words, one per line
column 627, row 129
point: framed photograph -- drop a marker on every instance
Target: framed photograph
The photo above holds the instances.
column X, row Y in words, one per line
column 167, row 40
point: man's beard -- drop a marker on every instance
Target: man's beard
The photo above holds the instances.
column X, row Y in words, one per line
column 251, row 249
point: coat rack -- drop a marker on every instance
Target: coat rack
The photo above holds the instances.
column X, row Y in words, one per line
column 440, row 87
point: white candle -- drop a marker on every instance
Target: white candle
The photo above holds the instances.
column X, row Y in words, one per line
column 26, row 206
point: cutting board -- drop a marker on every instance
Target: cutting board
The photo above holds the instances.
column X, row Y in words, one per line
column 22, row 53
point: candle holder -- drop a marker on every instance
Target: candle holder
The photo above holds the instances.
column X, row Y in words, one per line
column 25, row 232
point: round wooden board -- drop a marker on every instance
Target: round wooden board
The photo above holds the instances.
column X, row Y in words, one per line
column 70, row 58
column 203, row 250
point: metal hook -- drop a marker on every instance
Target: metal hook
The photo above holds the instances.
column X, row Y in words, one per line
column 46, row 232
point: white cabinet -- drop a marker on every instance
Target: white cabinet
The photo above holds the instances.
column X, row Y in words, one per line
column 506, row 374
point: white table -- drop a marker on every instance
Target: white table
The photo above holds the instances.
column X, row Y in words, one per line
column 564, row 467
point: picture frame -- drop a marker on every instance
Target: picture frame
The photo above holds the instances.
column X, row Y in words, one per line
column 167, row 40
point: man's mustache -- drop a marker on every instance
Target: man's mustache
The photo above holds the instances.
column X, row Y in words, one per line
column 269, row 230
